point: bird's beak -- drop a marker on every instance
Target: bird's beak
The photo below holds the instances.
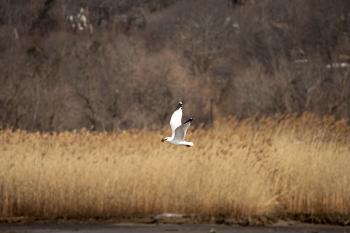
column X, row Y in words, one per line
column 163, row 140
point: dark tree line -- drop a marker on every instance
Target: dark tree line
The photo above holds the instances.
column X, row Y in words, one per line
column 110, row 65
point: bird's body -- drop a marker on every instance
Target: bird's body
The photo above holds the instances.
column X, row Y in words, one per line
column 178, row 130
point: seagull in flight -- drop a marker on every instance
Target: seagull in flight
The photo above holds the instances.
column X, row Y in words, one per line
column 178, row 130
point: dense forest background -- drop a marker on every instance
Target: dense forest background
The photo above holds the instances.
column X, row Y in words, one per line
column 118, row 64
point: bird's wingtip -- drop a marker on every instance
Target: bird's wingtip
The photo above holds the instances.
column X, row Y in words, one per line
column 179, row 105
column 189, row 120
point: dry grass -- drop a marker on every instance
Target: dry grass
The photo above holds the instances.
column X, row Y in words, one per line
column 275, row 166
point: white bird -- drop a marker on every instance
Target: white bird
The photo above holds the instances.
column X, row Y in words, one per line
column 178, row 130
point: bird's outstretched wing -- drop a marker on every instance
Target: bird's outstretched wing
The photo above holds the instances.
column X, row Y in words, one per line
column 175, row 120
column 180, row 132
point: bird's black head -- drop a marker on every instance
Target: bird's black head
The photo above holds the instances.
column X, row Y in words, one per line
column 179, row 105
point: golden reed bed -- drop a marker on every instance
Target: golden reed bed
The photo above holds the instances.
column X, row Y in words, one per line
column 275, row 166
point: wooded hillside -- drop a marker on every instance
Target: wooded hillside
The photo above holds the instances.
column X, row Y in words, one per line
column 111, row 65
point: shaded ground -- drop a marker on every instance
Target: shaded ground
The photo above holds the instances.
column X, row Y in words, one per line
column 158, row 228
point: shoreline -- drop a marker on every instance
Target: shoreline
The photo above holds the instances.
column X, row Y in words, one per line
column 172, row 218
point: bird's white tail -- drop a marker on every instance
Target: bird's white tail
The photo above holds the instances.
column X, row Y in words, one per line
column 188, row 144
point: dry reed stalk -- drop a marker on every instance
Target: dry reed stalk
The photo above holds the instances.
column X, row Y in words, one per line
column 275, row 165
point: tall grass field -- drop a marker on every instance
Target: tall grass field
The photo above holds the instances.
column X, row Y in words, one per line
column 275, row 166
